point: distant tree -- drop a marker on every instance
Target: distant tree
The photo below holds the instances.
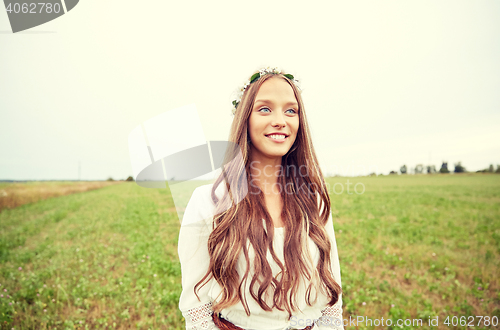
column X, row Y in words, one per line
column 444, row 168
column 393, row 172
column 498, row 169
column 491, row 170
column 373, row 174
column 431, row 169
column 419, row 169
column 130, row 178
column 110, row 179
column 403, row 169
column 459, row 168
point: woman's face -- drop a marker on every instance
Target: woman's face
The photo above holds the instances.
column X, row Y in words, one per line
column 274, row 121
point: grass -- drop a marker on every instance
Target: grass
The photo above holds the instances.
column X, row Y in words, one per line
column 420, row 246
column 410, row 247
column 15, row 194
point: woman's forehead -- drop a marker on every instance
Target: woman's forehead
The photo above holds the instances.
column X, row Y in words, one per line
column 275, row 87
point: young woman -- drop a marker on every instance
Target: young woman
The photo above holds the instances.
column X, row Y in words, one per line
column 257, row 247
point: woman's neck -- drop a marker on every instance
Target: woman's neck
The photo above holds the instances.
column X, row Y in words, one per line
column 265, row 173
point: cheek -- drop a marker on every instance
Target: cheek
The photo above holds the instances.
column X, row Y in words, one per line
column 296, row 126
column 254, row 127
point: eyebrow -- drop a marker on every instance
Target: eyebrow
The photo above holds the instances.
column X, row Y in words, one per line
column 269, row 101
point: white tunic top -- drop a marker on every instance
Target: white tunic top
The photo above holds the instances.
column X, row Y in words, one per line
column 193, row 254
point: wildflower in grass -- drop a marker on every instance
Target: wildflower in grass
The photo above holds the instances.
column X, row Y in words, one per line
column 482, row 299
column 121, row 283
column 393, row 305
column 400, row 258
column 446, row 268
column 433, row 254
column 147, row 257
column 81, row 322
column 45, row 311
column 364, row 304
column 340, row 230
column 154, row 275
column 20, row 268
column 38, row 295
column 1, row 295
column 53, row 300
column 8, row 296
column 81, row 260
column 45, row 285
column 5, row 290
column 142, row 260
column 479, row 288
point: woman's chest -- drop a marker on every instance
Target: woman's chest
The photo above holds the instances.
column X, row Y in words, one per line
column 309, row 253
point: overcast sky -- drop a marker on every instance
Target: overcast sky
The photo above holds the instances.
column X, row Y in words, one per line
column 385, row 83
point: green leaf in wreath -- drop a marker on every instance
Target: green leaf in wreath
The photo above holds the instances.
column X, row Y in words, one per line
column 289, row 76
column 255, row 77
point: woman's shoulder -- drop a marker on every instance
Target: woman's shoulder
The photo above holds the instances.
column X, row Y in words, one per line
column 203, row 191
column 203, row 194
column 201, row 205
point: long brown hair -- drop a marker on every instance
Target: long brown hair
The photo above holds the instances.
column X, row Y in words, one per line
column 241, row 221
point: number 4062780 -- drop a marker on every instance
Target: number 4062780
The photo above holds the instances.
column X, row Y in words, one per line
column 31, row 8
column 470, row 321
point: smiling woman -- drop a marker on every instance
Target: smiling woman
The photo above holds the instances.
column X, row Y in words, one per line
column 274, row 121
column 276, row 242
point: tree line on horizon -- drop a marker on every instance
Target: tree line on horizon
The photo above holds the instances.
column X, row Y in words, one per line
column 431, row 169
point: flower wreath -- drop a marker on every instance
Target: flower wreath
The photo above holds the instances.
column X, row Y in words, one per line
column 254, row 78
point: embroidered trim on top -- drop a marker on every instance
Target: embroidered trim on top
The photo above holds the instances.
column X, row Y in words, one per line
column 201, row 317
column 332, row 316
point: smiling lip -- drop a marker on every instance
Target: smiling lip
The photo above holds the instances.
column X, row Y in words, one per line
column 277, row 140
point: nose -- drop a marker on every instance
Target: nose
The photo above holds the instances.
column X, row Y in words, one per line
column 278, row 119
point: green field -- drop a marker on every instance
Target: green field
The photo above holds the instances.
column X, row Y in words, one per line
column 410, row 247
